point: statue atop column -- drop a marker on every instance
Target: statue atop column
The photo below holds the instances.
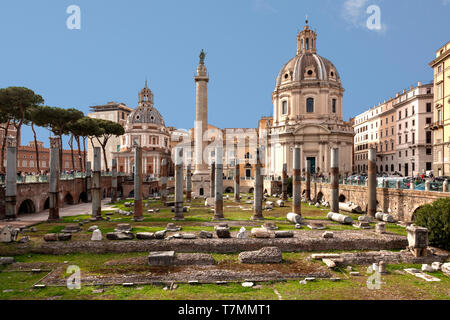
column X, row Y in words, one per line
column 202, row 57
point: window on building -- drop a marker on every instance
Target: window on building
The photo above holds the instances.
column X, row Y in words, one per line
column 428, row 137
column 413, row 137
column 439, row 116
column 333, row 107
column 439, row 91
column 429, row 150
column 284, row 108
column 399, row 154
column 399, row 139
column 310, row 105
column 428, row 107
column 399, row 115
column 428, row 120
column 428, row 166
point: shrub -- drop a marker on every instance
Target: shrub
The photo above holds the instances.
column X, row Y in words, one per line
column 436, row 218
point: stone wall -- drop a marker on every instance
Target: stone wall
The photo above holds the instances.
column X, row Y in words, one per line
column 304, row 241
column 35, row 195
column 401, row 203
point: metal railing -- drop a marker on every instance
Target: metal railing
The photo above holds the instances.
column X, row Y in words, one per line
column 45, row 178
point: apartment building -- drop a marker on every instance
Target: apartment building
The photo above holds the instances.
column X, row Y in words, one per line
column 441, row 109
column 397, row 128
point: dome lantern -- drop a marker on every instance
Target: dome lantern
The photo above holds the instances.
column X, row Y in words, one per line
column 306, row 40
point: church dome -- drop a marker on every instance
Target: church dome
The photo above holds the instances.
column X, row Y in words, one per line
column 146, row 113
column 307, row 65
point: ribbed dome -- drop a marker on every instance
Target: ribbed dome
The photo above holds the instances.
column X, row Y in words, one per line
column 146, row 115
column 307, row 67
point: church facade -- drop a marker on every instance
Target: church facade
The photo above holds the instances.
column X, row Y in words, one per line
column 307, row 113
column 145, row 127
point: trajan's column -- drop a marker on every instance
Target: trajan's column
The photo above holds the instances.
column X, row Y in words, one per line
column 201, row 179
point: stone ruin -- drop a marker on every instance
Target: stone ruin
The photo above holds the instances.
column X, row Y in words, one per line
column 264, row 255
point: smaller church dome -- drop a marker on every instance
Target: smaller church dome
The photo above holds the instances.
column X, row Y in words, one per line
column 146, row 113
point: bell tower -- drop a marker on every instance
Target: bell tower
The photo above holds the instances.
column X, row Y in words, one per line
column 306, row 40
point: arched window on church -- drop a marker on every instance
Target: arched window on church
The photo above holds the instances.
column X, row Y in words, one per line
column 333, row 106
column 307, row 44
column 284, row 108
column 310, row 105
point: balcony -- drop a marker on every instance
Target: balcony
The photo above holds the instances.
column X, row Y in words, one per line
column 435, row 126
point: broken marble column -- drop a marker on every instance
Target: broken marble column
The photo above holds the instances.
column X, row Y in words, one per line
column 294, row 218
column 212, row 184
column 258, row 187
column 334, row 168
column 114, row 181
column 237, row 181
column 218, row 188
column 284, row 183
column 11, row 178
column 179, row 184
column 427, row 185
column 188, row 183
column 372, row 184
column 337, row 217
column 53, row 211
column 96, row 187
column 445, row 186
column 308, row 180
column 296, row 183
column 164, row 180
column 138, row 213
column 88, row 180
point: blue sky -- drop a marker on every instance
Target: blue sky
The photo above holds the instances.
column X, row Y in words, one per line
column 121, row 43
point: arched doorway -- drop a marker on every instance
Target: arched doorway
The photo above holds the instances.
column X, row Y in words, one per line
column 83, row 198
column 68, row 199
column 229, row 190
column 131, row 194
column 27, row 206
column 319, row 197
column 342, row 198
column 46, row 205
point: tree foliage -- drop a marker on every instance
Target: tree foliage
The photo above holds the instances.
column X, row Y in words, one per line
column 436, row 218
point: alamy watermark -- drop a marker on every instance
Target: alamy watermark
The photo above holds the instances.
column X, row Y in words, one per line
column 374, row 20
column 74, row 280
column 73, row 22
column 374, row 281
